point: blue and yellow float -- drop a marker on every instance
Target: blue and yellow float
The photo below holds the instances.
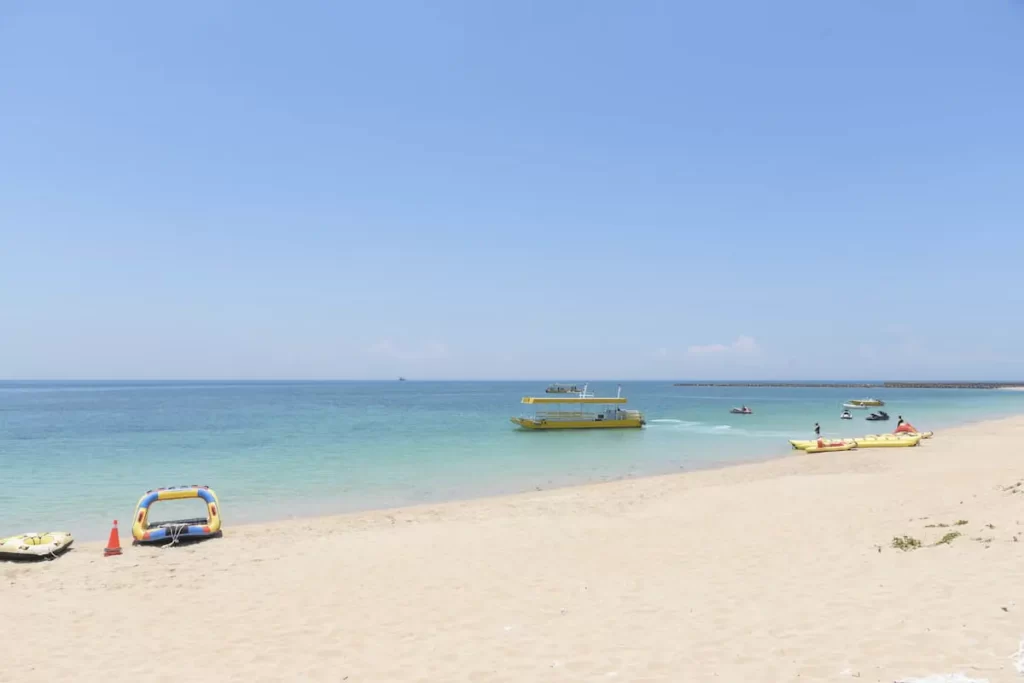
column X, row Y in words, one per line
column 181, row 529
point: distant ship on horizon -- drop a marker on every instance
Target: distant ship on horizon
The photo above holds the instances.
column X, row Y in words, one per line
column 401, row 379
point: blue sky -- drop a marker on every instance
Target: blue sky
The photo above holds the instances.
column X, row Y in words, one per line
column 554, row 190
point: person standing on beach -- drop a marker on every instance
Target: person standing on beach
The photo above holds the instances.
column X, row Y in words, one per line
column 900, row 422
column 817, row 429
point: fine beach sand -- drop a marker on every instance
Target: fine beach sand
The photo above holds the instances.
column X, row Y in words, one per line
column 774, row 572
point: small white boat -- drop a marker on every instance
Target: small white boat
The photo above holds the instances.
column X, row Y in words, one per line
column 742, row 411
column 846, row 415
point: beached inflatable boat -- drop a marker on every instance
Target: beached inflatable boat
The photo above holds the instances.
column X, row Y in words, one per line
column 33, row 546
column 907, row 429
column 887, row 441
column 804, row 444
column 145, row 531
column 830, row 446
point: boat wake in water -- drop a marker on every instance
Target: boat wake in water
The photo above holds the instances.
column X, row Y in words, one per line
column 708, row 429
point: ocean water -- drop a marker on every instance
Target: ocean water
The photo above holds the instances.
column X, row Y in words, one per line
column 76, row 455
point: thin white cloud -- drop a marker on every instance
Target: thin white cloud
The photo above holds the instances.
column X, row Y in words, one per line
column 743, row 345
column 746, row 345
column 427, row 351
column 707, row 348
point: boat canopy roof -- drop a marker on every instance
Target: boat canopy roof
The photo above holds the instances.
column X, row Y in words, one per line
column 572, row 399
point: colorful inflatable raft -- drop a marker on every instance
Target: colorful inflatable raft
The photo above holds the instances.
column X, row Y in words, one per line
column 181, row 529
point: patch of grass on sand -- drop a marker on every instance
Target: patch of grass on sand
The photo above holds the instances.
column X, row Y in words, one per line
column 906, row 542
column 948, row 538
column 935, row 526
column 960, row 522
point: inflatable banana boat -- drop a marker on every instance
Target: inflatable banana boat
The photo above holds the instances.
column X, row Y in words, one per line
column 887, row 441
column 830, row 446
column 907, row 429
column 32, row 546
column 144, row 531
column 804, row 444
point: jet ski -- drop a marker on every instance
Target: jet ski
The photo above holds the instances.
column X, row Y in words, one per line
column 846, row 415
column 880, row 415
column 742, row 411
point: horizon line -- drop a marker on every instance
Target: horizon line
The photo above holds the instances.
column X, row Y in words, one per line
column 500, row 379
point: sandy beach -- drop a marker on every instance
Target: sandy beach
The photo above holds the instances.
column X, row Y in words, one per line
column 776, row 571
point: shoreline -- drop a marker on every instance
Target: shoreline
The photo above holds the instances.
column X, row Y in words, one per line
column 741, row 573
column 723, row 469
column 284, row 459
column 699, row 466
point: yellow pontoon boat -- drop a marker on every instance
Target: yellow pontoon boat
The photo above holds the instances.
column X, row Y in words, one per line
column 610, row 417
column 863, row 402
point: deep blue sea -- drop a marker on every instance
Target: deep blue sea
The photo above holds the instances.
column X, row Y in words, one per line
column 76, row 455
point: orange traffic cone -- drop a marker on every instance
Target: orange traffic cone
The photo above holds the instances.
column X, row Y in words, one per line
column 114, row 544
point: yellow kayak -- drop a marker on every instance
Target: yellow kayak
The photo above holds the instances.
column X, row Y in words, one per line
column 886, row 441
column 831, row 446
column 802, row 445
column 35, row 546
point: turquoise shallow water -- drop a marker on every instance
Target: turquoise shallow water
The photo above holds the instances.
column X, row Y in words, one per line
column 76, row 455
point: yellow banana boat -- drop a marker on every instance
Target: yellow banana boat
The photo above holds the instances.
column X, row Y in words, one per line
column 885, row 441
column 900, row 435
column 831, row 446
column 802, row 445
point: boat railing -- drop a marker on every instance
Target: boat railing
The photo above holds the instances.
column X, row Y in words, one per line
column 573, row 415
column 565, row 415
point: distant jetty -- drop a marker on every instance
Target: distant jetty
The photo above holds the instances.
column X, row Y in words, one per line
column 858, row 385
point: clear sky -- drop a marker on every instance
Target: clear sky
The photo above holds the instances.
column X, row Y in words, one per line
column 553, row 190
